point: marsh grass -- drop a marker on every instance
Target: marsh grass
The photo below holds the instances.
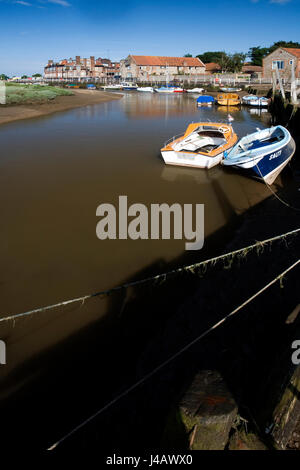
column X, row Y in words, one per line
column 21, row 94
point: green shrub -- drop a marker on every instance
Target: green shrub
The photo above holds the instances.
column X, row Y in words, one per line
column 19, row 94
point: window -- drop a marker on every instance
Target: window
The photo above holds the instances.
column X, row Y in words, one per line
column 278, row 64
column 291, row 62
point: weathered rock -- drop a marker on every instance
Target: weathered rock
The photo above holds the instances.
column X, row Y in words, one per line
column 204, row 416
column 241, row 440
column 285, row 427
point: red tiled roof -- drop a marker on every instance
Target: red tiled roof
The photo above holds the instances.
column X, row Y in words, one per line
column 293, row 51
column 212, row 66
column 252, row 68
column 167, row 61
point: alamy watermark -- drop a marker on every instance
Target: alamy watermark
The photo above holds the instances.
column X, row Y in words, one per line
column 2, row 353
column 296, row 354
column 115, row 222
column 2, row 92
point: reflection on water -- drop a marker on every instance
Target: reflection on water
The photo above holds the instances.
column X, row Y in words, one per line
column 258, row 111
column 228, row 109
column 56, row 170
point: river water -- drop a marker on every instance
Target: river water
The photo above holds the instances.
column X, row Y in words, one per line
column 56, row 170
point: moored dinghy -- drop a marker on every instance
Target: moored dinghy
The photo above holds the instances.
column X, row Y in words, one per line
column 230, row 90
column 228, row 99
column 205, row 100
column 165, row 89
column 253, row 100
column 263, row 154
column 195, row 90
column 201, row 146
column 150, row 89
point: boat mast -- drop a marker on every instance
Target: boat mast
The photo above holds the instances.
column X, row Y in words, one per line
column 167, row 75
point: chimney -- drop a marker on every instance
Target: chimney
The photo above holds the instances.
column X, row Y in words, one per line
column 92, row 61
column 50, row 62
column 78, row 60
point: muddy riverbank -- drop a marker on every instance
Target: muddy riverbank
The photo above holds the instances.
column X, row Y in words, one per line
column 61, row 103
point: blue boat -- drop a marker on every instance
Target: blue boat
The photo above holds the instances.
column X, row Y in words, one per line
column 205, row 100
column 263, row 154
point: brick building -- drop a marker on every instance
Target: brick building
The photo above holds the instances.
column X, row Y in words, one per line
column 141, row 67
column 212, row 67
column 284, row 59
column 80, row 69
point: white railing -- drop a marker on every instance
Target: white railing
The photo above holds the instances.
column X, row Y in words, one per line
column 174, row 138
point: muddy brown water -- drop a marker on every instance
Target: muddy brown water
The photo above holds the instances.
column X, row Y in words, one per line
column 56, row 170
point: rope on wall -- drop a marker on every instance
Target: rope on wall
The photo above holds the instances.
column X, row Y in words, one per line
column 240, row 253
column 174, row 356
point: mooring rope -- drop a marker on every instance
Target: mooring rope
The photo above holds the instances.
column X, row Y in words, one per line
column 190, row 268
column 159, row 277
column 276, row 195
column 174, row 356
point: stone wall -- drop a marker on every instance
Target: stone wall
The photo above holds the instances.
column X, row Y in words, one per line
column 281, row 55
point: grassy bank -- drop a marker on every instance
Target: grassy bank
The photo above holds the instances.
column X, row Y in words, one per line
column 27, row 94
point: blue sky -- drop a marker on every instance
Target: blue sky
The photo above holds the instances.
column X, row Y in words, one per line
column 33, row 31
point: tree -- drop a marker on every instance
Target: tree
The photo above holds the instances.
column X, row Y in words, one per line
column 236, row 61
column 24, row 76
column 257, row 54
column 36, row 75
column 187, row 55
column 232, row 63
column 3, row 76
column 207, row 57
column 284, row 44
column 224, row 62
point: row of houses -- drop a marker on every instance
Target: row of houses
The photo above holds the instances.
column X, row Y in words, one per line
column 145, row 68
column 80, row 69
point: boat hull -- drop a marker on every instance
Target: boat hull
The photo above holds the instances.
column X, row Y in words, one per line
column 170, row 90
column 146, row 89
column 268, row 166
column 257, row 103
column 228, row 99
column 190, row 159
column 229, row 102
column 204, row 104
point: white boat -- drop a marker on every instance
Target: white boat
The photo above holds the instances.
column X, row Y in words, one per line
column 150, row 89
column 230, row 90
column 201, row 146
column 112, row 87
column 164, row 89
column 178, row 90
column 263, row 154
column 195, row 90
column 128, row 86
column 253, row 100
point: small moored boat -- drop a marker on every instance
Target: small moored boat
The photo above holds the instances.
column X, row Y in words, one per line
column 128, row 86
column 150, row 89
column 253, row 100
column 165, row 89
column 228, row 99
column 230, row 90
column 178, row 90
column 201, row 146
column 205, row 100
column 195, row 90
column 263, row 154
column 112, row 86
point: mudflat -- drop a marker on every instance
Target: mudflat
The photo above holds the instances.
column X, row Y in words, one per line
column 61, row 103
